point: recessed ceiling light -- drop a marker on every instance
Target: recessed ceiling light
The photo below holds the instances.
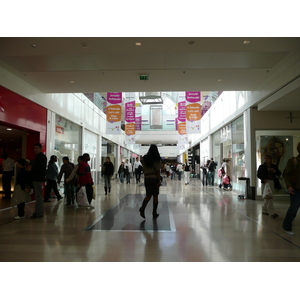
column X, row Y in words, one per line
column 8, row 129
column 246, row 42
column 33, row 46
column 220, row 79
column 138, row 44
column 192, row 43
column 72, row 81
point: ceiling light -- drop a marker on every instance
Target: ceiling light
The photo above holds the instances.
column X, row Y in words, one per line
column 220, row 79
column 8, row 129
column 72, row 81
column 33, row 46
column 84, row 45
column 192, row 43
column 246, row 42
column 138, row 44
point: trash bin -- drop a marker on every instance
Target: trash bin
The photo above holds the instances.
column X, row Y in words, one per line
column 247, row 187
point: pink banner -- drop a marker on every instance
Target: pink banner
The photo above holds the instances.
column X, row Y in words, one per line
column 138, row 123
column 192, row 97
column 130, row 112
column 114, row 98
column 181, row 111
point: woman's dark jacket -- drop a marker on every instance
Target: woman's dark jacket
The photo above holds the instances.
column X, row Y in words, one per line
column 108, row 169
column 263, row 172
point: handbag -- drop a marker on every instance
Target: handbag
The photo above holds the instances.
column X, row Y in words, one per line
column 267, row 192
column 82, row 197
column 277, row 184
column 19, row 196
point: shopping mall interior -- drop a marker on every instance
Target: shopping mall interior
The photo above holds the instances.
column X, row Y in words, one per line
column 53, row 90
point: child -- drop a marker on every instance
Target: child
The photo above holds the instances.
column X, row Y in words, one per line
column 22, row 188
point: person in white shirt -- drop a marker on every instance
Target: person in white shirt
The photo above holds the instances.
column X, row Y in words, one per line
column 128, row 170
column 179, row 170
column 8, row 166
column 137, row 169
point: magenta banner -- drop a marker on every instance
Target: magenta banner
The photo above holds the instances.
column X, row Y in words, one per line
column 192, row 97
column 138, row 123
column 130, row 111
column 114, row 98
column 181, row 111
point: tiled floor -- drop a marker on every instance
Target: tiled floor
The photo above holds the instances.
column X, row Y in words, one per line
column 196, row 224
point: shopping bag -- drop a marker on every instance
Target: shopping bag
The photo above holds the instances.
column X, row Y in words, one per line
column 94, row 193
column 82, row 197
column 267, row 192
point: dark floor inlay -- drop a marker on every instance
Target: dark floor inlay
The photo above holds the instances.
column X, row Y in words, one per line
column 125, row 216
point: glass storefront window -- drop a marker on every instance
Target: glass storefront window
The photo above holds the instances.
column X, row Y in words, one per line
column 281, row 144
column 238, row 151
column 67, row 139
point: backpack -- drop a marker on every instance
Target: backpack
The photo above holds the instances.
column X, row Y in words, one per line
column 221, row 172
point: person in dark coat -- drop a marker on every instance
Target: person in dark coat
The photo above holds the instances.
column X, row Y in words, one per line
column 266, row 173
column 107, row 173
column 38, row 172
column 23, row 187
column 66, row 170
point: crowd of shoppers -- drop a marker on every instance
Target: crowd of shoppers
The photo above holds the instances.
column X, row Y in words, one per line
column 32, row 174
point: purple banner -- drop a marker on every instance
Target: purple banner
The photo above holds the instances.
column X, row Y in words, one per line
column 114, row 98
column 192, row 97
column 181, row 111
column 138, row 123
column 130, row 111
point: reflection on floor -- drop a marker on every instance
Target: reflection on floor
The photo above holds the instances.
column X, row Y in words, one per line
column 123, row 216
column 196, row 224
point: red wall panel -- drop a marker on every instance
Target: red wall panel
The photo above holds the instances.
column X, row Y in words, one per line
column 21, row 112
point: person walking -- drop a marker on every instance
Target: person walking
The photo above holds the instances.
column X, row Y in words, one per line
column 66, row 170
column 51, row 177
column 8, row 165
column 211, row 171
column 204, row 169
column 137, row 169
column 74, row 177
column 85, row 177
column 152, row 166
column 291, row 177
column 179, row 169
column 128, row 170
column 107, row 173
column 227, row 170
column 38, row 173
column 187, row 170
column 22, row 189
column 121, row 172
column 173, row 171
column 266, row 173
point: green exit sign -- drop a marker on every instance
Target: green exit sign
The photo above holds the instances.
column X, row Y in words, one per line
column 144, row 77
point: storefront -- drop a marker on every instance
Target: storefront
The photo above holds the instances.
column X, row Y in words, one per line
column 281, row 144
column 22, row 124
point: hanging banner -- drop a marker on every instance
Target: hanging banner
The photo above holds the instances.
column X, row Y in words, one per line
column 113, row 113
column 138, row 116
column 130, row 118
column 193, row 112
column 181, row 119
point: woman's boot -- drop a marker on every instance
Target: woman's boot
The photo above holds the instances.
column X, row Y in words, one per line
column 142, row 209
column 109, row 189
column 105, row 188
column 154, row 212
